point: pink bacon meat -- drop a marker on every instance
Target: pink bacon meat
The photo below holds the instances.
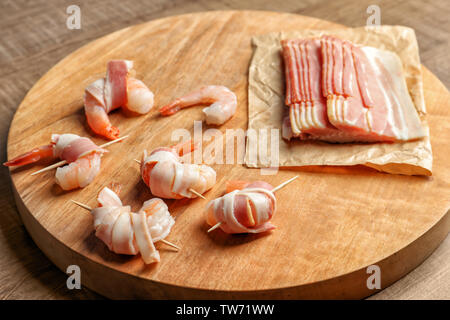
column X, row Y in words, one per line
column 339, row 92
column 308, row 107
column 70, row 148
column 246, row 208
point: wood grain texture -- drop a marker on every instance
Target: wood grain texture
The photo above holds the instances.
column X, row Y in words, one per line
column 33, row 38
column 322, row 246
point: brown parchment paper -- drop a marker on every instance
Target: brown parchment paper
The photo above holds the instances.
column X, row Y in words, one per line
column 267, row 108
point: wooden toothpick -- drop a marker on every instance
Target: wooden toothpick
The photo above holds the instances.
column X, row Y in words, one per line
column 63, row 162
column 196, row 193
column 85, row 206
column 282, row 185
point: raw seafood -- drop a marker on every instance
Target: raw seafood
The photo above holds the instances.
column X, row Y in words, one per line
column 246, row 208
column 115, row 91
column 82, row 155
column 222, row 101
column 126, row 232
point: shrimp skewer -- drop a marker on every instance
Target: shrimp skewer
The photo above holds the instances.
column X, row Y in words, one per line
column 221, row 100
column 168, row 177
column 63, row 162
column 115, row 91
column 190, row 189
column 246, row 208
column 126, row 232
column 80, row 153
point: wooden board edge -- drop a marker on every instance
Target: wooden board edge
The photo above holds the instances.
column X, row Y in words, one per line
column 118, row 285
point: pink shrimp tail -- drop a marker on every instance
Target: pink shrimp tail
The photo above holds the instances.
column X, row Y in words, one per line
column 31, row 156
column 170, row 108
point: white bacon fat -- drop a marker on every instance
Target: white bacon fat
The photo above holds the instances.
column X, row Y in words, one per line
column 341, row 92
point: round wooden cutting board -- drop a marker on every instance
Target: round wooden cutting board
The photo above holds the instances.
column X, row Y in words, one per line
column 332, row 223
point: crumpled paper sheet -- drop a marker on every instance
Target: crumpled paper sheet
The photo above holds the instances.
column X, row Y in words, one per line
column 267, row 108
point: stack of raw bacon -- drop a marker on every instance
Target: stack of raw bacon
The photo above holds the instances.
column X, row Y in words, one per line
column 340, row 92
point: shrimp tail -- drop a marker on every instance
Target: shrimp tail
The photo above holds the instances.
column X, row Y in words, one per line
column 170, row 108
column 98, row 121
column 31, row 156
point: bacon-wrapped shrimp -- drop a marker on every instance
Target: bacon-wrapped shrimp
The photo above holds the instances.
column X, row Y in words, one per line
column 168, row 177
column 221, row 100
column 115, row 91
column 82, row 155
column 130, row 233
column 245, row 208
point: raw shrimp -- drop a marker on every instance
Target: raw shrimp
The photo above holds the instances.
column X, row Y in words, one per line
column 115, row 91
column 222, row 103
column 246, row 208
column 168, row 177
column 82, row 155
column 126, row 232
column 79, row 173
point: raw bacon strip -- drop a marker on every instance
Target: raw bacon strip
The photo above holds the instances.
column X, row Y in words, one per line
column 338, row 67
column 293, row 93
column 327, row 69
column 287, row 72
column 246, row 210
column 345, row 113
column 116, row 90
column 116, row 83
column 339, row 92
column 70, row 147
column 367, row 88
column 308, row 115
column 348, row 79
column 402, row 117
column 143, row 239
column 123, row 240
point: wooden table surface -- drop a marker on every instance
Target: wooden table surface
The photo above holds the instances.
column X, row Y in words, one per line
column 34, row 37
